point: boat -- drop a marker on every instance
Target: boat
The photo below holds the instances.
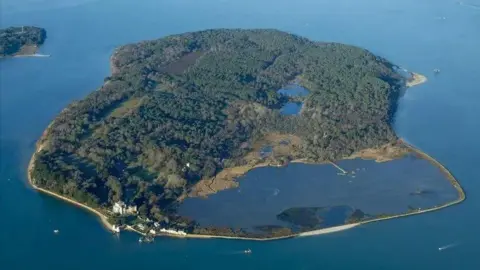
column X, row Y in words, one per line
column 56, row 231
column 148, row 239
column 247, row 251
column 436, row 71
column 115, row 229
column 145, row 239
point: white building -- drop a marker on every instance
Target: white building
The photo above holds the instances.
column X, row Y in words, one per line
column 122, row 209
column 119, row 208
column 132, row 209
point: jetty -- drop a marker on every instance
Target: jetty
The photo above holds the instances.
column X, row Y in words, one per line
column 338, row 167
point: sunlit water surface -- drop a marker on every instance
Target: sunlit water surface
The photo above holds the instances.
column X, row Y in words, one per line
column 440, row 117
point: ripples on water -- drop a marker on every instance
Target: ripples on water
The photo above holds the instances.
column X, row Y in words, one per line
column 443, row 121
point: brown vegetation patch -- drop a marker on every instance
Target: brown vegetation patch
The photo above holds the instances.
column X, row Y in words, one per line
column 27, row 50
column 126, row 107
column 384, row 153
column 178, row 67
column 284, row 147
column 114, row 69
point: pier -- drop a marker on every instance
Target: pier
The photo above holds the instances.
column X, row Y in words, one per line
column 338, row 167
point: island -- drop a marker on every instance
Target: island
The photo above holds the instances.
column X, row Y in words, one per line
column 186, row 115
column 21, row 41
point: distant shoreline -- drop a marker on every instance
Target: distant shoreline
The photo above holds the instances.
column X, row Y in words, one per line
column 417, row 79
column 30, row 55
column 26, row 51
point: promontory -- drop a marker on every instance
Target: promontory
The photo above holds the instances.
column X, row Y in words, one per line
column 22, row 40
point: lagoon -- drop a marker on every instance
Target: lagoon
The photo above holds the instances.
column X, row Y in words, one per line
column 393, row 187
column 439, row 117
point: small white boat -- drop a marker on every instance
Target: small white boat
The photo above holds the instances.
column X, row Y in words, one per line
column 116, row 229
column 56, row 231
column 145, row 239
column 247, row 251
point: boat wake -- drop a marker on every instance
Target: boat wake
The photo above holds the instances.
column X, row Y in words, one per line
column 239, row 252
column 448, row 246
column 472, row 6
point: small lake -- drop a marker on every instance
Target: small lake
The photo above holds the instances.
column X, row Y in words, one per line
column 291, row 108
column 374, row 188
column 293, row 90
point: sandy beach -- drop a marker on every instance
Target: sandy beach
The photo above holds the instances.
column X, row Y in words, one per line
column 328, row 230
column 102, row 217
column 416, row 79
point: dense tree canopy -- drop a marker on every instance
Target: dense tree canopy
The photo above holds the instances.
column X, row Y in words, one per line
column 13, row 39
column 182, row 108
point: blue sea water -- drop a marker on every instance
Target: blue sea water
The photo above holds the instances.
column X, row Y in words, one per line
column 440, row 117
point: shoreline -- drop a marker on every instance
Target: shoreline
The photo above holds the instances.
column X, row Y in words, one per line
column 417, row 79
column 31, row 55
column 26, row 51
column 449, row 175
column 104, row 220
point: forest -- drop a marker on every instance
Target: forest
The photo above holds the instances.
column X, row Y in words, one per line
column 182, row 108
column 14, row 39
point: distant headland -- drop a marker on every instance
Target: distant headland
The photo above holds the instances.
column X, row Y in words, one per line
column 185, row 115
column 21, row 41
